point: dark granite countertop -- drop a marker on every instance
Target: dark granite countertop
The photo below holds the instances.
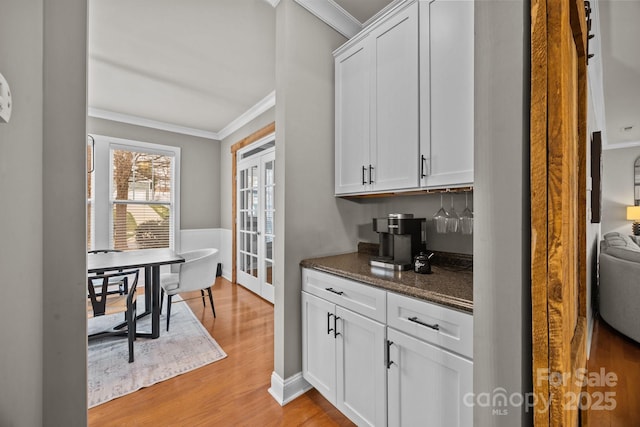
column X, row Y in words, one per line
column 449, row 286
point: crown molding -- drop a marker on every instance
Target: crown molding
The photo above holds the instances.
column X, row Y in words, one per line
column 148, row 123
column 382, row 12
column 260, row 107
column 333, row 15
column 273, row 3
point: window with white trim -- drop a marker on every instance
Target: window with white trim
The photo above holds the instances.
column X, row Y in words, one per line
column 135, row 195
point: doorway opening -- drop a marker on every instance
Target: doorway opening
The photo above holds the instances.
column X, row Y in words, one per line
column 254, row 233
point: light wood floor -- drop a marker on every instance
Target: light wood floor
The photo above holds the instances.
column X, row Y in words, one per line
column 615, row 353
column 230, row 392
column 233, row 391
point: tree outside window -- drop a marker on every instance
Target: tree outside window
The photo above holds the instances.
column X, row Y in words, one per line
column 142, row 200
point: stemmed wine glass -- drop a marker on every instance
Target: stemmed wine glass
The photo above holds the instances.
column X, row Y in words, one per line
column 452, row 219
column 440, row 218
column 466, row 217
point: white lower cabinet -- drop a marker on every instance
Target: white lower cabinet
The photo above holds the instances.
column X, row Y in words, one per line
column 361, row 378
column 427, row 384
column 319, row 345
column 343, row 358
column 383, row 358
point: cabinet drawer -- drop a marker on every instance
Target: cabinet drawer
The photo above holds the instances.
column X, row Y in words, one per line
column 445, row 327
column 360, row 298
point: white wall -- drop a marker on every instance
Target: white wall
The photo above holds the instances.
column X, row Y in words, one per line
column 64, row 287
column 256, row 124
column 199, row 169
column 310, row 221
column 617, row 188
column 21, row 44
column 501, row 246
column 421, row 206
column 43, row 357
column 595, row 119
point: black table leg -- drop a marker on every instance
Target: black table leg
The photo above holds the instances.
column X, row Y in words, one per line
column 155, row 310
column 151, row 301
column 148, row 294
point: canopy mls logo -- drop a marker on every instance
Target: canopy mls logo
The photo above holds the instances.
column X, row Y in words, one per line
column 501, row 401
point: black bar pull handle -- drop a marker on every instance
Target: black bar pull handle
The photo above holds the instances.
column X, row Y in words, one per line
column 329, row 329
column 370, row 174
column 364, row 171
column 389, row 362
column 423, row 160
column 334, row 291
column 414, row 319
column 335, row 326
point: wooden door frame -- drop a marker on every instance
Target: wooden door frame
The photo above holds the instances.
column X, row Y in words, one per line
column 257, row 135
column 548, row 19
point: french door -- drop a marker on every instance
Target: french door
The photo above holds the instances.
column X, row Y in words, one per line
column 255, row 223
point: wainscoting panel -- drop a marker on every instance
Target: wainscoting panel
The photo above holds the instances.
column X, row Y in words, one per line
column 218, row 238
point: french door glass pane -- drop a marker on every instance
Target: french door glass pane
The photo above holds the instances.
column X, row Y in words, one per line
column 254, row 266
column 268, row 222
column 248, row 226
column 243, row 179
column 268, row 247
column 269, row 213
column 256, row 215
column 268, row 269
column 247, row 242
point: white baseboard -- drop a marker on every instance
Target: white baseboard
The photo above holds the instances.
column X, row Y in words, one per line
column 284, row 391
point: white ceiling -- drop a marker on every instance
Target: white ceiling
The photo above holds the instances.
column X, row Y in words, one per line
column 196, row 64
column 201, row 64
column 363, row 10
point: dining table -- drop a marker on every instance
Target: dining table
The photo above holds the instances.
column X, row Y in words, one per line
column 149, row 259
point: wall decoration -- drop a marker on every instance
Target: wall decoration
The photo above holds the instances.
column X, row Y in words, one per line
column 596, row 177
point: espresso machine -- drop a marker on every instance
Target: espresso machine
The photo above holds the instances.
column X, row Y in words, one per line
column 400, row 240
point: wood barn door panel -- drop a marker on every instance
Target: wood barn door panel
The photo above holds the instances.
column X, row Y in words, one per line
column 558, row 208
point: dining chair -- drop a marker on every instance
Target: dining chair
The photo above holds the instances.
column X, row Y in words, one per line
column 122, row 286
column 103, row 302
column 197, row 272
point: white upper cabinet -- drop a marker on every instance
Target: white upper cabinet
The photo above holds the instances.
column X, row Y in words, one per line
column 404, row 101
column 394, row 102
column 446, row 98
column 352, row 120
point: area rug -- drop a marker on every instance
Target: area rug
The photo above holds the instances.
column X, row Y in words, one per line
column 187, row 346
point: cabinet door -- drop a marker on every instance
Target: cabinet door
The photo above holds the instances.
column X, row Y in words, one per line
column 446, row 99
column 319, row 345
column 361, row 376
column 427, row 385
column 352, row 120
column 394, row 106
